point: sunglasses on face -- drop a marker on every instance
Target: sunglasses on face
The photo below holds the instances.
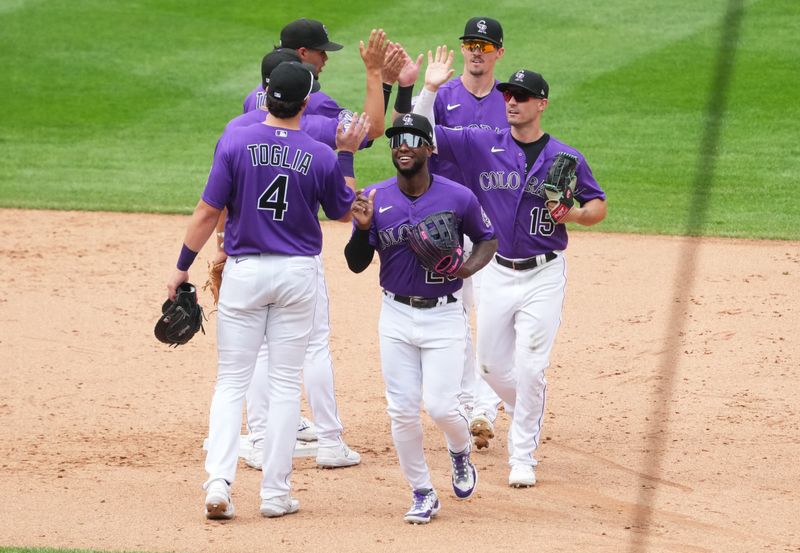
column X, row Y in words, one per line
column 519, row 95
column 409, row 139
column 479, row 46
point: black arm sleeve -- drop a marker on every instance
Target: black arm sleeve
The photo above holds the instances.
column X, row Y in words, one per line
column 358, row 251
column 387, row 92
column 402, row 102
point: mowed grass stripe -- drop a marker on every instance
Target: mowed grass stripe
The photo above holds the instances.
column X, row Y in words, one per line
column 119, row 107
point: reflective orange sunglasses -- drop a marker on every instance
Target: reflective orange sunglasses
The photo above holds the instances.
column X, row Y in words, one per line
column 479, row 46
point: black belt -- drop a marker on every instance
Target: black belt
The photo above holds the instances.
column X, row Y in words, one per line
column 422, row 303
column 526, row 264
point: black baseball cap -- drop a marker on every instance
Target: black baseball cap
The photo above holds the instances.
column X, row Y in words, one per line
column 413, row 123
column 307, row 33
column 274, row 59
column 291, row 81
column 484, row 28
column 531, row 81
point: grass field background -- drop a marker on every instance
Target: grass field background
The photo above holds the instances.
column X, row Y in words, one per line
column 118, row 105
column 111, row 105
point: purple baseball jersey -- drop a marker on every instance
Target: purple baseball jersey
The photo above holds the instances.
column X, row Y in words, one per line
column 272, row 181
column 257, row 99
column 457, row 108
column 393, row 217
column 319, row 103
column 493, row 166
column 318, row 127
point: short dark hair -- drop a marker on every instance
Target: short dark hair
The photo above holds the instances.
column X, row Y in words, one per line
column 283, row 110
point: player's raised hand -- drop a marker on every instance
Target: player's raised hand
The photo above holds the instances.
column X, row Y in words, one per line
column 393, row 63
column 374, row 52
column 363, row 208
column 408, row 76
column 351, row 133
column 440, row 68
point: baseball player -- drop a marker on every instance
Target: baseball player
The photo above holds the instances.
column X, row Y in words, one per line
column 422, row 323
column 332, row 451
column 472, row 100
column 309, row 38
column 272, row 179
column 523, row 287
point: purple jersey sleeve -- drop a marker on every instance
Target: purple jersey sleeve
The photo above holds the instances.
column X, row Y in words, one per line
column 395, row 215
column 336, row 197
column 323, row 129
column 456, row 107
column 320, row 103
column 493, row 167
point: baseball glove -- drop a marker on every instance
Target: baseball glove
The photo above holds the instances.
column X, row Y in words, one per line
column 180, row 319
column 214, row 280
column 435, row 241
column 559, row 186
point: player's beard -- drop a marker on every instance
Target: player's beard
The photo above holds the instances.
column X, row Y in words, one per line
column 410, row 171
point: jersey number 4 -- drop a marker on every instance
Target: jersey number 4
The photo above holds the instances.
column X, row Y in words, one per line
column 274, row 197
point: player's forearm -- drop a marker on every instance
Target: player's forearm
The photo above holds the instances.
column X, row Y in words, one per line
column 482, row 253
column 590, row 213
column 204, row 221
column 373, row 104
column 220, row 230
column 424, row 105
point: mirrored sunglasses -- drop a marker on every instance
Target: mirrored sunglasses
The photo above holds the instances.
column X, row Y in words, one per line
column 409, row 139
column 519, row 95
column 479, row 46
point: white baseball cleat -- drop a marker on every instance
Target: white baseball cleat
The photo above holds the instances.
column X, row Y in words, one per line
column 337, row 456
column 255, row 457
column 219, row 505
column 522, row 476
column 306, row 431
column 279, row 506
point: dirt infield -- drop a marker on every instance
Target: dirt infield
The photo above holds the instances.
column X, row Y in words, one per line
column 102, row 425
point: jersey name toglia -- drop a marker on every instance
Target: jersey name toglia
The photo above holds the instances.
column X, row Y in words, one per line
column 493, row 166
column 457, row 108
column 273, row 181
column 394, row 216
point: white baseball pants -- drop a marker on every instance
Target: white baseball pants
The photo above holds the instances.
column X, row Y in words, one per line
column 261, row 295
column 317, row 375
column 518, row 318
column 422, row 360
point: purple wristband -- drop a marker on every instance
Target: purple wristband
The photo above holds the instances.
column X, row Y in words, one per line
column 346, row 163
column 186, row 258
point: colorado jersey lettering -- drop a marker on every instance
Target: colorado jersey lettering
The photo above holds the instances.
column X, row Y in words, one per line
column 400, row 269
column 493, row 166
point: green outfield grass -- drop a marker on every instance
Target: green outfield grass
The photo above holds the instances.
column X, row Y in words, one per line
column 117, row 105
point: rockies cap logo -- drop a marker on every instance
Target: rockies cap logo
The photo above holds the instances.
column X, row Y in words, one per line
column 482, row 26
column 408, row 120
column 520, row 76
